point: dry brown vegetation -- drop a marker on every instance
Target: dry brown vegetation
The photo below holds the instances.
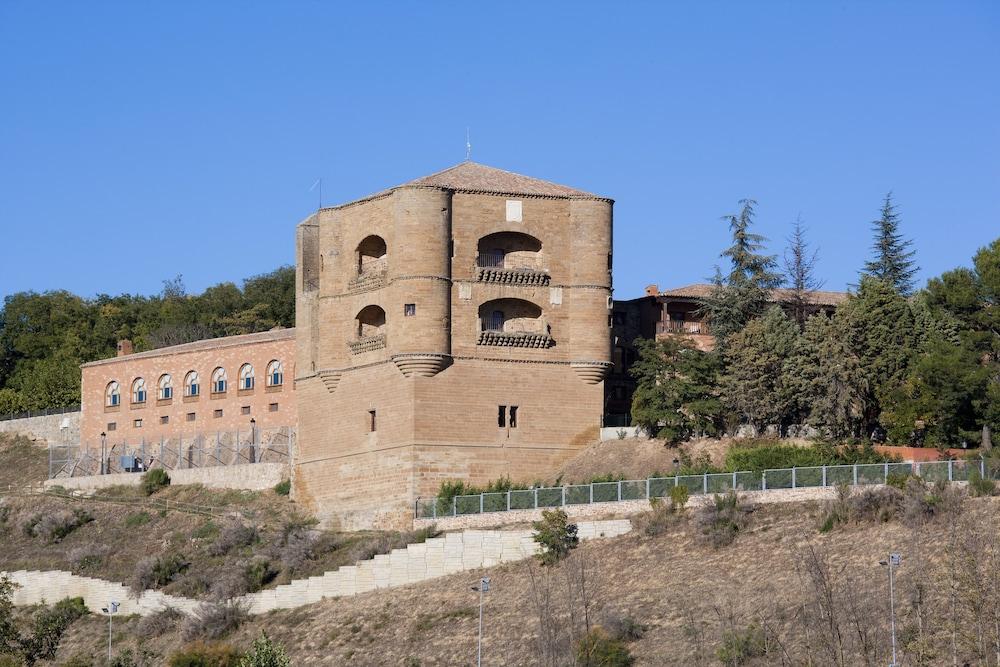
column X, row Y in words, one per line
column 21, row 461
column 781, row 592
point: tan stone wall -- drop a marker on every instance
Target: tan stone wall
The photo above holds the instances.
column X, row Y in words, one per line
column 445, row 426
column 252, row 477
column 230, row 353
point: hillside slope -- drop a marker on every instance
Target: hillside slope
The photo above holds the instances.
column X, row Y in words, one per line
column 693, row 599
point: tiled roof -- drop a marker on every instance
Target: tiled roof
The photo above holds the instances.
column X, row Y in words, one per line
column 702, row 290
column 207, row 344
column 471, row 176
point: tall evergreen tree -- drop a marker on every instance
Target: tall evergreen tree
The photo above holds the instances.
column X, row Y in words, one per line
column 745, row 291
column 800, row 273
column 893, row 257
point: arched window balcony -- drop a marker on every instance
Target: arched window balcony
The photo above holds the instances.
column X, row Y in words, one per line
column 513, row 323
column 371, row 263
column 370, row 330
column 511, row 258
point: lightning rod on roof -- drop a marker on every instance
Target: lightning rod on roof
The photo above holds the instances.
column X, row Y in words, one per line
column 468, row 145
column 319, row 182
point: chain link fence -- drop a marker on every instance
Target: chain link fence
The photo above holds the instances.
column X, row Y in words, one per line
column 708, row 483
column 222, row 448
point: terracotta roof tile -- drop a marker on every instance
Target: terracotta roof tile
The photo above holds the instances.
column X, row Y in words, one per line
column 471, row 176
column 702, row 290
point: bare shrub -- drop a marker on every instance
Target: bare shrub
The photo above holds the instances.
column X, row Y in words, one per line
column 88, row 555
column 242, row 578
column 54, row 526
column 660, row 517
column 233, row 535
column 214, row 620
column 876, row 505
column 157, row 571
column 926, row 502
column 724, row 518
column 160, row 622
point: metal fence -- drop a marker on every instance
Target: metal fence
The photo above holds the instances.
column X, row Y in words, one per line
column 659, row 487
column 256, row 445
column 39, row 413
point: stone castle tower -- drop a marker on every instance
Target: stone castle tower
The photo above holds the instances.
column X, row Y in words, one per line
column 455, row 327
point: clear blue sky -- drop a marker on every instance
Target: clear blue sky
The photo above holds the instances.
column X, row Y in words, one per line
column 143, row 140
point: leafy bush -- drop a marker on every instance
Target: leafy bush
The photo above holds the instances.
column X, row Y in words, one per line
column 283, row 488
column 980, row 486
column 740, row 647
column 206, row 654
column 724, row 518
column 597, row 648
column 154, row 480
column 48, row 627
column 214, row 620
column 877, row 505
column 658, row 519
column 88, row 555
column 157, row 571
column 265, row 653
column 678, row 497
column 555, row 535
column 137, row 519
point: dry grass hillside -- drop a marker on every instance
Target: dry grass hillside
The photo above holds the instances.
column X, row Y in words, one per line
column 781, row 593
column 21, row 461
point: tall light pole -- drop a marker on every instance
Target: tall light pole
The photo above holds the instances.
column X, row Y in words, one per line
column 892, row 562
column 104, row 443
column 483, row 587
column 110, row 610
column 253, row 439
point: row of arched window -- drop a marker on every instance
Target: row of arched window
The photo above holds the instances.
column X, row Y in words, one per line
column 192, row 383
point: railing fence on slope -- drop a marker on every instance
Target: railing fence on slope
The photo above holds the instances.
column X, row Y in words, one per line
column 251, row 445
column 39, row 413
column 707, row 483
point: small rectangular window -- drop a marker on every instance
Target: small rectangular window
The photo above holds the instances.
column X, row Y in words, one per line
column 272, row 407
column 217, row 413
column 189, row 416
column 136, row 423
column 371, row 421
column 409, row 309
column 164, row 419
column 513, row 210
column 245, row 410
column 112, row 426
column 513, row 417
column 501, row 416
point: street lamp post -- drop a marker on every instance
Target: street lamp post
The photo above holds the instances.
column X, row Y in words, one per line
column 253, row 439
column 483, row 587
column 110, row 610
column 104, row 444
column 892, row 562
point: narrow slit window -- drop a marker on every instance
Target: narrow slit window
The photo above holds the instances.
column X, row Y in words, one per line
column 371, row 421
column 502, row 416
column 513, row 417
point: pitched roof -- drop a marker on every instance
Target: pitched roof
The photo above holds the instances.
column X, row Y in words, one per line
column 702, row 290
column 206, row 344
column 473, row 177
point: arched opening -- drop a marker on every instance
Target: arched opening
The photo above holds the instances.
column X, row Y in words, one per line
column 370, row 321
column 139, row 390
column 369, row 326
column 371, row 255
column 192, row 385
column 275, row 373
column 511, row 251
column 219, row 381
column 165, row 387
column 513, row 322
column 112, row 395
column 246, row 376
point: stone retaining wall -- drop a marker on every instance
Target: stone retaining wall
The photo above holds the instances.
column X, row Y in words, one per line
column 250, row 476
column 46, row 429
column 437, row 557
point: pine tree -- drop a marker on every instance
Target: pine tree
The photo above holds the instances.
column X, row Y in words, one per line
column 893, row 258
column 753, row 386
column 744, row 293
column 800, row 273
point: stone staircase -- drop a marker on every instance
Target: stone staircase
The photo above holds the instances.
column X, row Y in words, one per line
column 437, row 557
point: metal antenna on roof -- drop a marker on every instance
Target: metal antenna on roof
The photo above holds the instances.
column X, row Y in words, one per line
column 319, row 182
column 468, row 146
